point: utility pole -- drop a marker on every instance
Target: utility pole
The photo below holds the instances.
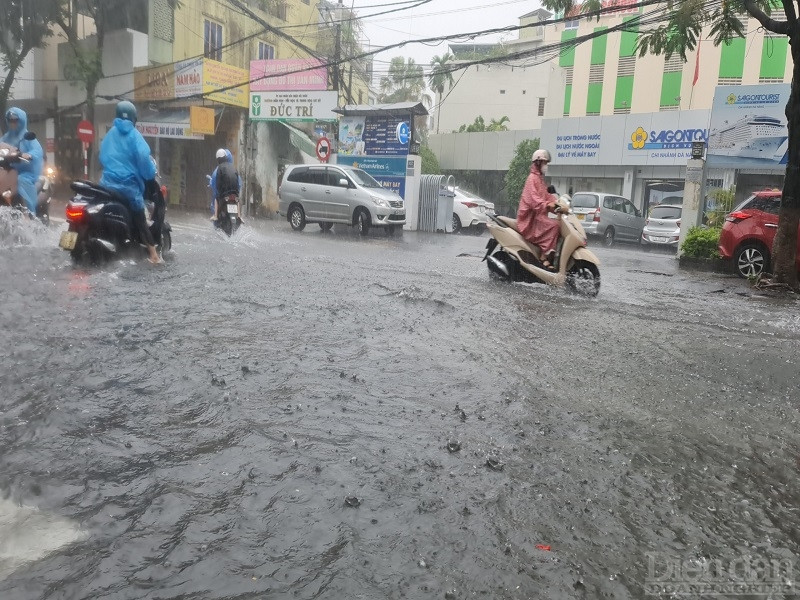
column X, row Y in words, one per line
column 338, row 51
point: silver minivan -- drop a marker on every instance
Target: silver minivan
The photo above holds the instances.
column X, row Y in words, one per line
column 609, row 216
column 328, row 194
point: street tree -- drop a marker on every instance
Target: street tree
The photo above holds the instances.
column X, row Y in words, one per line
column 405, row 82
column 679, row 33
column 24, row 25
column 439, row 79
column 480, row 126
column 518, row 170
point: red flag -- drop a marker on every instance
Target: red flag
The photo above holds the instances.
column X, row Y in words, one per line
column 697, row 65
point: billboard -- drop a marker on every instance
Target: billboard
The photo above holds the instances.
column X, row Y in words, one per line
column 218, row 79
column 293, row 106
column 748, row 126
column 291, row 74
column 374, row 135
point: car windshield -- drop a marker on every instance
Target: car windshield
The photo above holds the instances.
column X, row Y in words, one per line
column 363, row 179
column 584, row 201
column 666, row 212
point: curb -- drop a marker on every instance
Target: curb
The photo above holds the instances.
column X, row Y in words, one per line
column 709, row 265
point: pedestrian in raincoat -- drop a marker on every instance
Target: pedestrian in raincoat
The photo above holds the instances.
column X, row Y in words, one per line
column 125, row 158
column 25, row 141
column 534, row 205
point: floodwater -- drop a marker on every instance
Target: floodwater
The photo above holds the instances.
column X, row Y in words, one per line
column 312, row 415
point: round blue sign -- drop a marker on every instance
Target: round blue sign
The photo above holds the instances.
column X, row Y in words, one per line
column 403, row 132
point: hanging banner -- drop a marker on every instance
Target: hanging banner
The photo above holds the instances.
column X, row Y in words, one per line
column 219, row 76
column 180, row 131
column 188, row 78
column 292, row 74
column 293, row 106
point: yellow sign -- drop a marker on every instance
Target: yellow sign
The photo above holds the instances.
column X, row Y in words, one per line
column 154, row 83
column 201, row 120
column 226, row 84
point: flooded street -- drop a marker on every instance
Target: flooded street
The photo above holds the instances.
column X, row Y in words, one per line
column 317, row 415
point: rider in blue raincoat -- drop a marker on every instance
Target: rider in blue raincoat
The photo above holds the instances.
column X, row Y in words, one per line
column 213, row 181
column 28, row 171
column 125, row 157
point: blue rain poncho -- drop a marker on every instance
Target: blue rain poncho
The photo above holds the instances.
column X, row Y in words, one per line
column 213, row 182
column 125, row 158
column 28, row 172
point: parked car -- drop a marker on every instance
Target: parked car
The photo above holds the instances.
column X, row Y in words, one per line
column 468, row 211
column 611, row 217
column 748, row 233
column 663, row 226
column 337, row 194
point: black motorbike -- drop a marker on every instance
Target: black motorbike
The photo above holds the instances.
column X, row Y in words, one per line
column 228, row 214
column 101, row 227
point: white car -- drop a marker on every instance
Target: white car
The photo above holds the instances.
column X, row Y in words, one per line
column 469, row 211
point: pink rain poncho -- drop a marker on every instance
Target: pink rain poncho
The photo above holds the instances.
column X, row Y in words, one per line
column 532, row 220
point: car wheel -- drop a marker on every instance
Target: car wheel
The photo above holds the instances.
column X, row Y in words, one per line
column 751, row 260
column 363, row 222
column 456, row 223
column 326, row 226
column 297, row 217
column 608, row 237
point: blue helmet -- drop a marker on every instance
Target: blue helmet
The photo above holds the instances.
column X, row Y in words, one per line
column 127, row 111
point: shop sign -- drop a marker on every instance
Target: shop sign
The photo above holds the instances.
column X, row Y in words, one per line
column 154, row 83
column 293, row 106
column 189, row 78
column 181, row 131
column 666, row 139
column 225, row 83
column 201, row 120
column 292, row 74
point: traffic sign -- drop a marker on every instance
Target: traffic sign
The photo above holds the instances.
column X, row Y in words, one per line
column 85, row 132
column 323, row 149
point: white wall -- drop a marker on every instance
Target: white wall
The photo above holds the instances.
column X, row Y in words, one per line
column 490, row 151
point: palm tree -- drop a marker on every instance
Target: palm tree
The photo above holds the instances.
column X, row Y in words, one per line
column 438, row 79
column 405, row 81
column 495, row 125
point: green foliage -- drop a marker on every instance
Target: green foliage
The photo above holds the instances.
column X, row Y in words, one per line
column 701, row 242
column 430, row 164
column 404, row 83
column 440, row 76
column 518, row 170
column 721, row 204
column 479, row 125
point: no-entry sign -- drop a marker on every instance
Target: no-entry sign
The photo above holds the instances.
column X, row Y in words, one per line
column 323, row 149
column 85, row 132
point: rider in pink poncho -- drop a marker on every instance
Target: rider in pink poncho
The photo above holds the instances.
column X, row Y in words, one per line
column 534, row 205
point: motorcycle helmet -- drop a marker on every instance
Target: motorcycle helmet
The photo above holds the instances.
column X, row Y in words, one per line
column 127, row 111
column 542, row 155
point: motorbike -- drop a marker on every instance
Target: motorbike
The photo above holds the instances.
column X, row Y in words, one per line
column 44, row 191
column 8, row 177
column 100, row 225
column 228, row 214
column 511, row 258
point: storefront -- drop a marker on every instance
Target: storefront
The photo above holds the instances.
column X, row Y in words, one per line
column 643, row 157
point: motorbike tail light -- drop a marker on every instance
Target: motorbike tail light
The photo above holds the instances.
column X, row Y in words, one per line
column 596, row 216
column 737, row 215
column 470, row 204
column 76, row 212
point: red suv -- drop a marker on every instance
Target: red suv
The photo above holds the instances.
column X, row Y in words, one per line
column 749, row 231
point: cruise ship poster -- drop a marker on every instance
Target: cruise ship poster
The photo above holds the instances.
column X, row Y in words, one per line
column 748, row 126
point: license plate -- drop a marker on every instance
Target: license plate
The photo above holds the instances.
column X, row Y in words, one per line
column 68, row 240
column 660, row 239
column 233, row 209
column 581, row 217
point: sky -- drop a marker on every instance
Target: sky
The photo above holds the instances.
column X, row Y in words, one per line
column 436, row 18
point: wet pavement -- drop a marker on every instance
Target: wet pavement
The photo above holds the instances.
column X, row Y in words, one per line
column 317, row 415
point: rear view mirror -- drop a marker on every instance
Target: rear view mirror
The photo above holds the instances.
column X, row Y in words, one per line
column 343, row 182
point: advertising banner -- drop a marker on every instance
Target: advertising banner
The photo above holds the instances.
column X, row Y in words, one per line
column 292, row 74
column 748, row 126
column 219, row 76
column 389, row 171
column 293, row 106
column 374, row 135
column 663, row 138
column 154, row 83
column 188, row 78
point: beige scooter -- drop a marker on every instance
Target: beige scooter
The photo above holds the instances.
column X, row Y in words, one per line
column 511, row 258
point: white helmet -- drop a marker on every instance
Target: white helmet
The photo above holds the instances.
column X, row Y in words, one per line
column 541, row 155
column 221, row 153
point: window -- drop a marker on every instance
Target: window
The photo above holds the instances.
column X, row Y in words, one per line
column 316, row 176
column 629, row 207
column 502, row 91
column 541, row 107
column 278, row 9
column 299, row 175
column 212, row 40
column 617, row 203
column 265, row 51
column 584, row 201
column 666, row 212
column 333, row 177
